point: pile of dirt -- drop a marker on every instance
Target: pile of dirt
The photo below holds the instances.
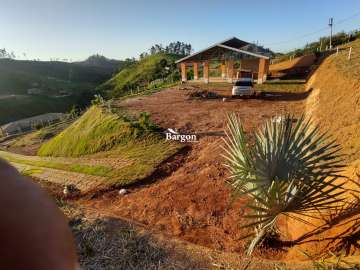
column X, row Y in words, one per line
column 202, row 94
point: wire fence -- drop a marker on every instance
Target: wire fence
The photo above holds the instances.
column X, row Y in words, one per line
column 33, row 125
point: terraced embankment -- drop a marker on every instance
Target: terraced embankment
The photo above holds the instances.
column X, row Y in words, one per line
column 86, row 174
column 100, row 150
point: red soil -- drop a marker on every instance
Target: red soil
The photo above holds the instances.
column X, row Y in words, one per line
column 193, row 203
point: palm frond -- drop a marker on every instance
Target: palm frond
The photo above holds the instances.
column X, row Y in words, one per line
column 289, row 169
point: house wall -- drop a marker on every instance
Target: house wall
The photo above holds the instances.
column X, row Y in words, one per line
column 250, row 64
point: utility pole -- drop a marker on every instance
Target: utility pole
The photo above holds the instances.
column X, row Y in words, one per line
column 331, row 31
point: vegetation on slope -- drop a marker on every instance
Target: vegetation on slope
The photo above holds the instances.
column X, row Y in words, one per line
column 288, row 86
column 17, row 107
column 109, row 65
column 338, row 39
column 104, row 134
column 335, row 100
column 142, row 73
column 16, row 76
column 37, row 137
column 59, row 86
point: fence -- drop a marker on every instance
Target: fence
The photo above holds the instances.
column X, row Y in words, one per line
column 34, row 125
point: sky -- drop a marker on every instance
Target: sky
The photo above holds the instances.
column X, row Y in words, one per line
column 75, row 29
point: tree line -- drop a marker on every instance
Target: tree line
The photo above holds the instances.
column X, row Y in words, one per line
column 177, row 48
column 5, row 54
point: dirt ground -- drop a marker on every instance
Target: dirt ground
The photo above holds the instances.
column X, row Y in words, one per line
column 193, row 203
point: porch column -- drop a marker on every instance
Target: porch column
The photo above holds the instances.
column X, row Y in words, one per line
column 230, row 70
column 196, row 70
column 183, row 72
column 223, row 70
column 206, row 72
column 267, row 67
column 263, row 70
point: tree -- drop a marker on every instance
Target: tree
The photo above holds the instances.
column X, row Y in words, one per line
column 6, row 54
column 178, row 48
column 290, row 170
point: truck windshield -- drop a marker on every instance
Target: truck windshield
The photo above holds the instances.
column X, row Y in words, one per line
column 243, row 83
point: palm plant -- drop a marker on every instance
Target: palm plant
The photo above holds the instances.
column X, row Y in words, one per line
column 290, row 169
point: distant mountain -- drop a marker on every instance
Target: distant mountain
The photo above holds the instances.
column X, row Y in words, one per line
column 100, row 61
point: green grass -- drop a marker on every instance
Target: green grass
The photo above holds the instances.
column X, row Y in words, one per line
column 140, row 74
column 29, row 172
column 286, row 86
column 96, row 131
column 79, row 168
column 145, row 156
column 100, row 134
column 40, row 135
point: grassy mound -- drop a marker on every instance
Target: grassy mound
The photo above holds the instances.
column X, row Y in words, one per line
column 141, row 73
column 95, row 131
column 335, row 100
column 101, row 134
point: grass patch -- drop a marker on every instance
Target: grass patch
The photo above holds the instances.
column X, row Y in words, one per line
column 40, row 135
column 145, row 157
column 78, row 168
column 140, row 74
column 285, row 86
column 100, row 134
column 29, row 172
column 96, row 131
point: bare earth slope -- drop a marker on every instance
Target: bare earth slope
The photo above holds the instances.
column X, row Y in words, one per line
column 193, row 203
column 335, row 104
column 335, row 101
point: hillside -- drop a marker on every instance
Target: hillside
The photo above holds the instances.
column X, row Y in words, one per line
column 56, row 86
column 109, row 65
column 128, row 142
column 335, row 100
column 16, row 76
column 17, row 107
column 298, row 67
column 141, row 73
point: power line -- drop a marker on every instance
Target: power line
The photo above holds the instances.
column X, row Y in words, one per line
column 315, row 32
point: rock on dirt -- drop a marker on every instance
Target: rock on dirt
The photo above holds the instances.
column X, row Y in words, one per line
column 122, row 191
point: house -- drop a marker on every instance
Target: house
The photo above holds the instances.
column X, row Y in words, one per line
column 234, row 58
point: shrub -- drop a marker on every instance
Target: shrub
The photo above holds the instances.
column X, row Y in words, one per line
column 290, row 169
